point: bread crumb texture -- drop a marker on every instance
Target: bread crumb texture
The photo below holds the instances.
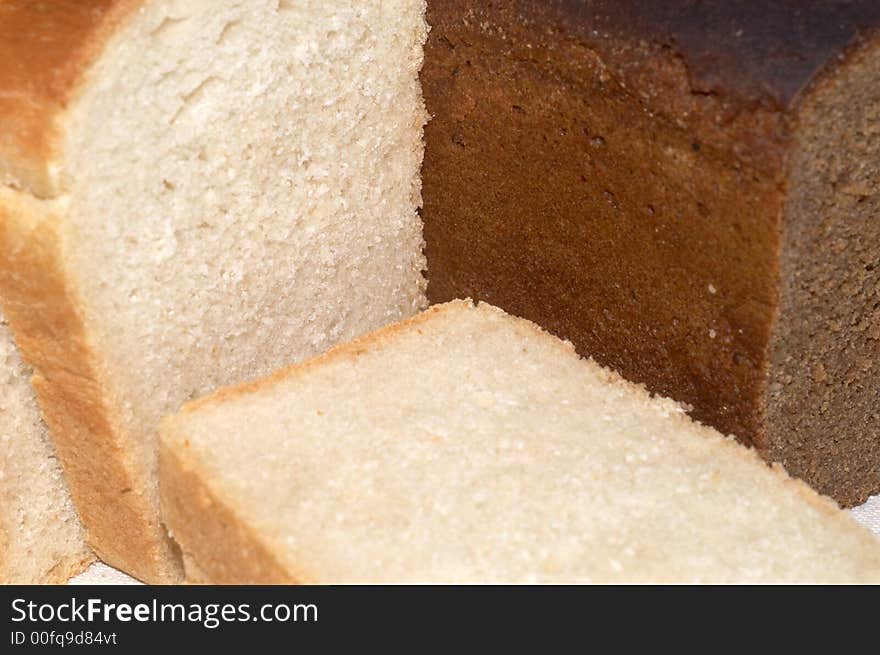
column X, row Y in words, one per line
column 41, row 539
column 469, row 446
column 236, row 189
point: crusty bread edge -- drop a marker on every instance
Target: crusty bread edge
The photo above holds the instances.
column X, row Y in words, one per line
column 218, row 547
column 64, row 568
column 186, row 485
column 42, row 310
column 68, row 567
column 52, row 52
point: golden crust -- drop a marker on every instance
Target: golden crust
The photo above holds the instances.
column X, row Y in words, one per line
column 218, row 547
column 67, row 568
column 42, row 310
column 193, row 574
column 46, row 48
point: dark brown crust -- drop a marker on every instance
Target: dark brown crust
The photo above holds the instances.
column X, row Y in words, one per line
column 752, row 51
column 556, row 191
column 726, row 69
column 42, row 312
column 217, row 545
column 46, row 48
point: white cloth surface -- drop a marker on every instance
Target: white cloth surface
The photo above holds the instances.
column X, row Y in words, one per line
column 100, row 573
column 867, row 514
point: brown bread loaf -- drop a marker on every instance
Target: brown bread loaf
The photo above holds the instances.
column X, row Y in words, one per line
column 690, row 192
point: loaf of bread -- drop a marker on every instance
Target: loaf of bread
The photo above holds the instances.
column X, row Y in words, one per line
column 41, row 539
column 688, row 191
column 465, row 445
column 192, row 193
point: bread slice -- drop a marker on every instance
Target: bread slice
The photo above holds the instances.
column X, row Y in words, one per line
column 193, row 193
column 465, row 445
column 41, row 538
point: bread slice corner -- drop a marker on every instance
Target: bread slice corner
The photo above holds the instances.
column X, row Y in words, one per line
column 41, row 538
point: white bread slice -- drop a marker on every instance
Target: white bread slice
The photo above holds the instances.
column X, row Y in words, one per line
column 41, row 539
column 196, row 191
column 465, row 445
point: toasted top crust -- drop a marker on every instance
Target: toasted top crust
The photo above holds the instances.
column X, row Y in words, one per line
column 46, row 48
column 754, row 51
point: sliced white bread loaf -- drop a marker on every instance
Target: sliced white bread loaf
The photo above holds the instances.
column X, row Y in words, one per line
column 41, row 539
column 196, row 192
column 465, row 445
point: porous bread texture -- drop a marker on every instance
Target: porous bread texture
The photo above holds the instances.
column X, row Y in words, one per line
column 238, row 190
column 821, row 405
column 465, row 445
column 41, row 538
column 720, row 248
